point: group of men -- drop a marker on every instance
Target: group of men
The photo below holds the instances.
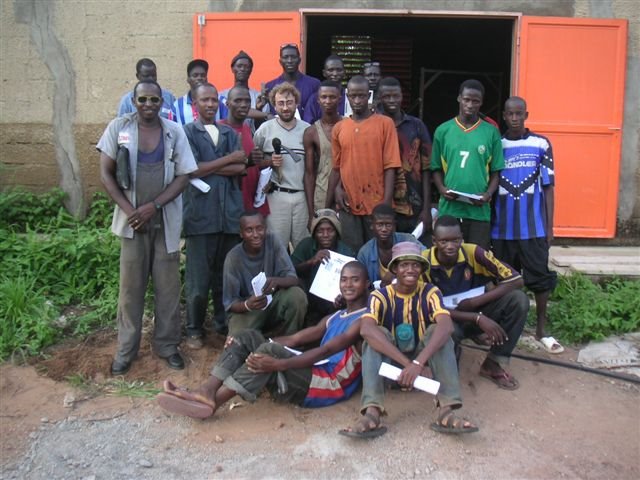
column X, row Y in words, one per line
column 258, row 195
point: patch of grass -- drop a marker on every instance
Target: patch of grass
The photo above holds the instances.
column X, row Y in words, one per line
column 123, row 388
column 581, row 310
column 50, row 263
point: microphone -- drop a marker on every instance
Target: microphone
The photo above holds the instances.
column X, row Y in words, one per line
column 277, row 145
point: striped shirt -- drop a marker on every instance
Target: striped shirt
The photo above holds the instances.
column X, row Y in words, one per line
column 475, row 267
column 340, row 377
column 520, row 209
column 389, row 308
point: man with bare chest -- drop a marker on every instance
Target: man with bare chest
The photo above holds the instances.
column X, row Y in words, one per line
column 317, row 147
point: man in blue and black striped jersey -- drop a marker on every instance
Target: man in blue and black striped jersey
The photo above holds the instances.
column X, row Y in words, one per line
column 522, row 222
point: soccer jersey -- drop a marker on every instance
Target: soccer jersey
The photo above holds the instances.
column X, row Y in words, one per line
column 475, row 267
column 520, row 210
column 389, row 308
column 340, row 377
column 466, row 156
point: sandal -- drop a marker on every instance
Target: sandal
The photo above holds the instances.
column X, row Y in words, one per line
column 502, row 379
column 449, row 422
column 172, row 389
column 374, row 432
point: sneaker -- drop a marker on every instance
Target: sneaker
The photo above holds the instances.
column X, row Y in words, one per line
column 195, row 342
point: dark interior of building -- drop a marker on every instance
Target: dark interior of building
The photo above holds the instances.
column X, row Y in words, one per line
column 445, row 50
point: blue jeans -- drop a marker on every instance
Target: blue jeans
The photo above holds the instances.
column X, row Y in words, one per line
column 442, row 363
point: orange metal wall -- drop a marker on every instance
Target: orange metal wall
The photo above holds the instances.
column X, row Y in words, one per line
column 571, row 72
column 260, row 34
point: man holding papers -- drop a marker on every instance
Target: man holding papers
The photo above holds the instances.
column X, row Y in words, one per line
column 261, row 252
column 210, row 219
column 496, row 316
column 407, row 324
column 466, row 159
column 312, row 252
column 318, row 377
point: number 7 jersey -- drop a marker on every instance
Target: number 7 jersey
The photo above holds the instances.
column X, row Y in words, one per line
column 466, row 157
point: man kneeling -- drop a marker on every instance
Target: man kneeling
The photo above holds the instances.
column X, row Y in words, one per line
column 250, row 362
column 407, row 324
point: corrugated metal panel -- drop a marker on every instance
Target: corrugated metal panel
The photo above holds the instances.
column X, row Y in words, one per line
column 395, row 55
column 355, row 50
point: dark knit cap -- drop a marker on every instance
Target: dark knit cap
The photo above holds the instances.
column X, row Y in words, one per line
column 241, row 54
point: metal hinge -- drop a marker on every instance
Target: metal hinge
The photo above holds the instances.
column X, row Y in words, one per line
column 201, row 20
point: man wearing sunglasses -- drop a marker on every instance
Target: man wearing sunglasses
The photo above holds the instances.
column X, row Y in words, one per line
column 184, row 107
column 151, row 170
column 146, row 70
column 211, row 219
column 290, row 61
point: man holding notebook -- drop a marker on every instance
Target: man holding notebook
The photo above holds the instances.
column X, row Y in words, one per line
column 466, row 158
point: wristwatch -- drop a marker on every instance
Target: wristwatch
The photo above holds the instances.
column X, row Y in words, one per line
column 158, row 206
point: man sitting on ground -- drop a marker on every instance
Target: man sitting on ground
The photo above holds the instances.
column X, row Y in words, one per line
column 376, row 253
column 249, row 362
column 261, row 251
column 407, row 324
column 497, row 316
column 312, row 251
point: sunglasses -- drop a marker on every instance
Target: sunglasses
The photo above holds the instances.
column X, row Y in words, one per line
column 371, row 64
column 153, row 99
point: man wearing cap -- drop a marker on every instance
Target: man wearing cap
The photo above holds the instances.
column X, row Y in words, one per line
column 242, row 66
column 312, row 251
column 376, row 253
column 184, row 107
column 407, row 324
column 497, row 316
column 146, row 70
column 290, row 62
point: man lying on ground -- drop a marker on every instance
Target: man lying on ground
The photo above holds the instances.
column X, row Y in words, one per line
column 406, row 324
column 249, row 361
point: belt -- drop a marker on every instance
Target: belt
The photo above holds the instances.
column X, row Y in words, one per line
column 285, row 190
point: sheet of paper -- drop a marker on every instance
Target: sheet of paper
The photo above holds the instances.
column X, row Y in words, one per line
column 326, row 284
column 261, row 196
column 258, row 283
column 298, row 352
column 465, row 197
column 452, row 301
column 421, row 383
column 200, row 185
column 417, row 232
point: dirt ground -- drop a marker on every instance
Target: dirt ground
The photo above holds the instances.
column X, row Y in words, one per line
column 559, row 423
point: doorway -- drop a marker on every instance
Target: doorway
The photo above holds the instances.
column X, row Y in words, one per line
column 453, row 45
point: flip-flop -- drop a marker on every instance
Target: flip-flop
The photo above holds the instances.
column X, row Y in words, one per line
column 551, row 345
column 449, row 426
column 172, row 389
column 180, row 406
column 377, row 431
column 498, row 377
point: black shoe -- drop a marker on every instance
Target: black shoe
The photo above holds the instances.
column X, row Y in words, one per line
column 120, row 368
column 221, row 330
column 175, row 361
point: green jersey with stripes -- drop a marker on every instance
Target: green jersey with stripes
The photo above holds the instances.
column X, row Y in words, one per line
column 466, row 157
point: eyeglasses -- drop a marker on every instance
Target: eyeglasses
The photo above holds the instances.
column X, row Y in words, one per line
column 371, row 64
column 151, row 98
column 288, row 45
